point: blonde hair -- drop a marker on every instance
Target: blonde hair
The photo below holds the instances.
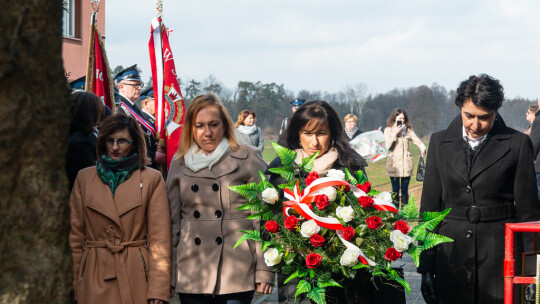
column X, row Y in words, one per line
column 243, row 115
column 200, row 102
column 349, row 116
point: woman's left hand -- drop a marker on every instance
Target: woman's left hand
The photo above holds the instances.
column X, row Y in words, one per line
column 264, row 288
column 155, row 301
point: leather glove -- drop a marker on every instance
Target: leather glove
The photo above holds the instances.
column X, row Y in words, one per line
column 428, row 288
column 161, row 155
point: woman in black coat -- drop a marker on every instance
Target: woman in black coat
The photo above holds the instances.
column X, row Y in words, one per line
column 315, row 126
column 484, row 171
column 86, row 113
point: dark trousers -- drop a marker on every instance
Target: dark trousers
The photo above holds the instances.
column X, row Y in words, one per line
column 401, row 182
column 538, row 183
column 232, row 298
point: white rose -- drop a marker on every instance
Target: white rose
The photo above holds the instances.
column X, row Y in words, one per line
column 330, row 192
column 384, row 196
column 270, row 195
column 401, row 241
column 309, row 228
column 345, row 213
column 349, row 257
column 272, row 257
column 337, row 174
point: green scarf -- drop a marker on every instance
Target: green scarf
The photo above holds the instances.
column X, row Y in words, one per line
column 115, row 172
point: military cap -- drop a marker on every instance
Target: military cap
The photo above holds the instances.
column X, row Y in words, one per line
column 147, row 93
column 78, row 84
column 130, row 73
column 297, row 103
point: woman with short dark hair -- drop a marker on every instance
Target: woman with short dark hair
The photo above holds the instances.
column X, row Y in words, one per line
column 484, row 171
column 120, row 224
column 86, row 114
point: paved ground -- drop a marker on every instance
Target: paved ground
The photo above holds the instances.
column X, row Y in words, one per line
column 410, row 275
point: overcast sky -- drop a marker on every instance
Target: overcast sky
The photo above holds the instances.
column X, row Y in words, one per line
column 326, row 45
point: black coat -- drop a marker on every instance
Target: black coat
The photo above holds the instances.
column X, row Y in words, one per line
column 150, row 140
column 535, row 137
column 501, row 185
column 81, row 152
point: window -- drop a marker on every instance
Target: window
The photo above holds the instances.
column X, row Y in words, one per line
column 68, row 19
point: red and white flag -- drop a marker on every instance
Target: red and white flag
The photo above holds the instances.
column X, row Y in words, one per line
column 170, row 107
column 101, row 82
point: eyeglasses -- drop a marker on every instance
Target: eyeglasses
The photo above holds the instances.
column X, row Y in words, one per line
column 135, row 85
column 121, row 142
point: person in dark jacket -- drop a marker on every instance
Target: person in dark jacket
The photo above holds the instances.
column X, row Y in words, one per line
column 484, row 171
column 316, row 127
column 351, row 130
column 535, row 137
column 86, row 113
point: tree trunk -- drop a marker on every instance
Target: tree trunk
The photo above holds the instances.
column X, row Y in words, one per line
column 35, row 260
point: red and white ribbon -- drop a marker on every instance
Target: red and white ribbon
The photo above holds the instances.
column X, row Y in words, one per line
column 301, row 203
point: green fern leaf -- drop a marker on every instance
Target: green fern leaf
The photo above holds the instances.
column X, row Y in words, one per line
column 290, row 185
column 418, row 233
column 287, row 172
column 252, row 206
column 307, row 162
column 266, row 244
column 248, row 191
column 297, row 274
column 256, row 216
column 317, row 295
column 248, row 235
column 432, row 240
column 263, row 183
column 302, row 287
column 350, row 177
column 428, row 216
column 361, row 177
column 287, row 156
column 328, row 283
column 410, row 211
column 414, row 252
column 434, row 222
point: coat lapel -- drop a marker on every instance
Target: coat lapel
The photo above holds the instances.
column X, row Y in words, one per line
column 494, row 150
column 452, row 149
column 102, row 200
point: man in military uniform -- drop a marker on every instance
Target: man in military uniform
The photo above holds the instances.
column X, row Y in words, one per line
column 128, row 82
column 148, row 111
column 296, row 103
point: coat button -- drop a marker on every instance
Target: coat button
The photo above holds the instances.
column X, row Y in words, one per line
column 468, row 234
column 197, row 214
column 215, row 187
column 468, row 189
column 219, row 240
column 197, row 241
column 218, row 213
column 194, row 188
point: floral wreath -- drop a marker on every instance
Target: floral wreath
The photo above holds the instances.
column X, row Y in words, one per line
column 326, row 229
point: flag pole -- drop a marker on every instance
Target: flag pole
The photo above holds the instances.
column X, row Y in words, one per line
column 159, row 14
column 95, row 8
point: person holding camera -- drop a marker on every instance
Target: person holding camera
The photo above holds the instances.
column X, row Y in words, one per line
column 398, row 135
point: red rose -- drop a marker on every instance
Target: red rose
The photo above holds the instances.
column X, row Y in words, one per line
column 374, row 222
column 402, row 226
column 317, row 240
column 291, row 222
column 313, row 260
column 348, row 233
column 311, row 177
column 392, row 254
column 322, row 201
column 271, row 226
column 365, row 201
column 365, row 186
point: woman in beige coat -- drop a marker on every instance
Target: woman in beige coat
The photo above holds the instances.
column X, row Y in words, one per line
column 205, row 220
column 398, row 135
column 120, row 225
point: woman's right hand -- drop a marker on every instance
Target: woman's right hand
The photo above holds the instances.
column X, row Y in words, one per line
column 397, row 130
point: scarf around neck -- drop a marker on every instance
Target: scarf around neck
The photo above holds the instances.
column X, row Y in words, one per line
column 196, row 159
column 322, row 164
column 351, row 133
column 247, row 130
column 114, row 172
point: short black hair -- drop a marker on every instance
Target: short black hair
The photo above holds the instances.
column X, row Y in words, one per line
column 484, row 91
